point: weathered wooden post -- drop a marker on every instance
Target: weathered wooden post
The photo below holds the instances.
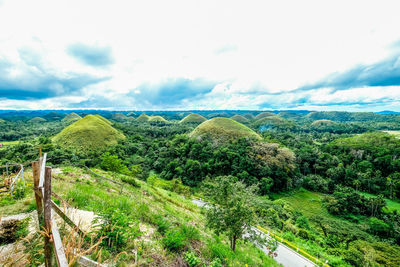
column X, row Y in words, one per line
column 47, row 218
column 38, row 195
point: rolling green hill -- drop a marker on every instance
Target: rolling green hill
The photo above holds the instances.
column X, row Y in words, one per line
column 143, row 118
column 157, row 119
column 92, row 133
column 37, row 119
column 193, row 118
column 239, row 118
column 264, row 115
column 272, row 122
column 119, row 117
column 223, row 129
column 72, row 117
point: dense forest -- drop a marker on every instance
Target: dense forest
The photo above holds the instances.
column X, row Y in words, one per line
column 328, row 181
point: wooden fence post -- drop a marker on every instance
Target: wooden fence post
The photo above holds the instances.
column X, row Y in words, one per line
column 38, row 196
column 47, row 217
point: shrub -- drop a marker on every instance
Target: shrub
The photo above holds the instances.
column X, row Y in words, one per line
column 115, row 229
column 130, row 180
column 174, row 240
column 162, row 224
column 192, row 259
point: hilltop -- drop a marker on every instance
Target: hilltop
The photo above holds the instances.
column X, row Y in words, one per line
column 157, row 119
column 239, row 118
column 37, row 119
column 91, row 133
column 143, row 117
column 270, row 122
column 264, row 115
column 223, row 129
column 193, row 118
column 72, row 117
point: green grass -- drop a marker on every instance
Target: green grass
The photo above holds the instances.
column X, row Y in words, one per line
column 223, row 129
column 157, row 119
column 88, row 134
column 318, row 123
column 239, row 118
column 391, row 204
column 37, row 119
column 143, row 117
column 264, row 115
column 193, row 118
column 8, row 143
column 152, row 207
column 72, row 117
column 272, row 121
column 395, row 133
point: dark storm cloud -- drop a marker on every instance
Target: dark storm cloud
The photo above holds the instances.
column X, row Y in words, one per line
column 91, row 55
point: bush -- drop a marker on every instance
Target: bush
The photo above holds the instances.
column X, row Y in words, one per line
column 162, row 224
column 192, row 259
column 115, row 229
column 174, row 240
column 130, row 180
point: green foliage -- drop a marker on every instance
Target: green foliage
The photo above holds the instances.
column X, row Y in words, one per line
column 20, row 190
column 178, row 238
column 272, row 122
column 37, row 120
column 88, row 134
column 192, row 259
column 115, row 229
column 231, row 210
column 223, row 129
column 111, row 162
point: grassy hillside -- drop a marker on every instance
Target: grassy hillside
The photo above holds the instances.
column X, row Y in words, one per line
column 157, row 119
column 119, row 117
column 239, row 118
column 264, row 115
column 223, row 129
column 170, row 230
column 88, row 134
column 272, row 122
column 193, row 118
column 37, row 119
column 72, row 117
column 323, row 123
column 327, row 233
column 143, row 117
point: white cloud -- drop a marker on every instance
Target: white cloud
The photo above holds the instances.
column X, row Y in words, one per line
column 252, row 48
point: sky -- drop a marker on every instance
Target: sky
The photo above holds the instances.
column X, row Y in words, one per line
column 206, row 54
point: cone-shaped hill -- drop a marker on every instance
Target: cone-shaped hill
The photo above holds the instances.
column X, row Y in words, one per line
column 37, row 119
column 264, row 115
column 193, row 118
column 223, row 129
column 143, row 117
column 1, row 121
column 72, row 117
column 92, row 133
column 157, row 119
column 239, row 118
column 322, row 123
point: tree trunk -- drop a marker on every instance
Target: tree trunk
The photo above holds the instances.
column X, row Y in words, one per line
column 233, row 242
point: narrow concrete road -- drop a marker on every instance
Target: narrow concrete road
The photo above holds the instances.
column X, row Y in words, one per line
column 286, row 256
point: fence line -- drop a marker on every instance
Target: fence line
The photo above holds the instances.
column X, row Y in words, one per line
column 13, row 182
column 45, row 207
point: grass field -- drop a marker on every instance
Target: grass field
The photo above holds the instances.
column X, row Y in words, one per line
column 8, row 143
column 395, row 133
column 391, row 204
column 152, row 208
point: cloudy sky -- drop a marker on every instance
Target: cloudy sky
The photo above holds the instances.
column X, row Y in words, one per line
column 152, row 55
